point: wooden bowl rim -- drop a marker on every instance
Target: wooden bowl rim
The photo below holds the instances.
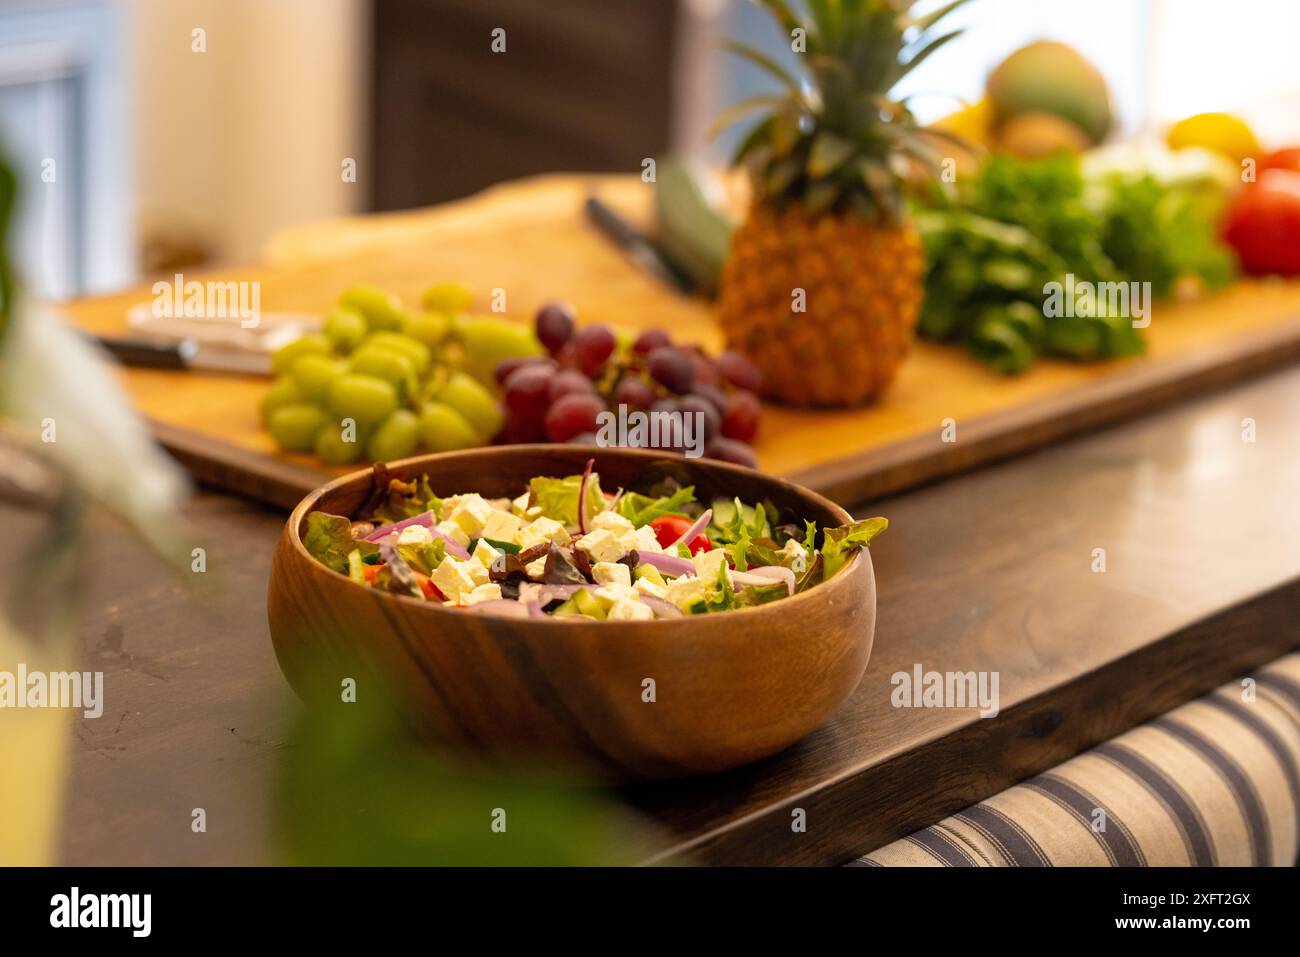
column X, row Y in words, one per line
column 307, row 505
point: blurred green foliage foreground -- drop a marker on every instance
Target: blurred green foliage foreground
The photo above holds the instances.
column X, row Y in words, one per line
column 357, row 788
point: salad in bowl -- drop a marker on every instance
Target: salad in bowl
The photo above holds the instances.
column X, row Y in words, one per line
column 565, row 548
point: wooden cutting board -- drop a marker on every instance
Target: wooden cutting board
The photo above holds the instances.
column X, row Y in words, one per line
column 531, row 240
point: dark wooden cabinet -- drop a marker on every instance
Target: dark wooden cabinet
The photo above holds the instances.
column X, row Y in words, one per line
column 582, row 85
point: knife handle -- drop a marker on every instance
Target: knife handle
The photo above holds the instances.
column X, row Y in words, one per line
column 147, row 354
column 632, row 241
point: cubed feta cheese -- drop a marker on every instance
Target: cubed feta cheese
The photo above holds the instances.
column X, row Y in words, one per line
column 542, row 530
column 641, row 539
column 606, row 573
column 793, row 548
column 613, row 592
column 471, row 515
column 629, row 609
column 453, row 502
column 501, row 526
column 707, row 564
column 600, row 546
column 685, row 590
column 796, row 556
column 451, row 530
column 647, row 587
column 485, row 553
column 520, row 505
column 477, row 572
column 536, row 568
column 414, row 535
column 611, row 522
column 453, row 577
column 488, row 592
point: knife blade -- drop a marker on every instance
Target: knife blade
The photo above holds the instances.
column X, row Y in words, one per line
column 187, row 355
column 639, row 247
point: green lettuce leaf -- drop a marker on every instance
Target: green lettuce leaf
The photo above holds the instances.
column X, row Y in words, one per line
column 810, row 537
column 558, row 497
column 751, row 595
column 763, row 551
column 720, row 596
column 641, row 509
column 425, row 557
column 404, row 500
column 814, row 575
column 840, row 543
column 731, row 519
column 329, row 540
column 738, row 550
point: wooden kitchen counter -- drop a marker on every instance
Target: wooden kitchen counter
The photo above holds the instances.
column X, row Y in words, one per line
column 992, row 570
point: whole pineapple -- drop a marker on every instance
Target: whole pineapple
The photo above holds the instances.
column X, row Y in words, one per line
column 823, row 284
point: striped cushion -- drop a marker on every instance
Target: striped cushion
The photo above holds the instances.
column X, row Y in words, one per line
column 1214, row 782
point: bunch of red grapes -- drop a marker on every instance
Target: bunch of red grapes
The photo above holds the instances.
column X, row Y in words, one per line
column 558, row 397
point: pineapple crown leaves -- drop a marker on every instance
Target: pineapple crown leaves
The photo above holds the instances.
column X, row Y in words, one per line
column 831, row 137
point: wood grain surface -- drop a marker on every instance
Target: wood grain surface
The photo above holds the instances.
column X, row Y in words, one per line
column 989, row 571
column 530, row 239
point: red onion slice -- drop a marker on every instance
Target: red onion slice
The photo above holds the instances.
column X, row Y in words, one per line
column 424, row 518
column 674, row 565
column 506, row 607
column 427, row 520
column 662, row 607
column 765, row 575
column 689, row 535
column 582, row 496
column 542, row 594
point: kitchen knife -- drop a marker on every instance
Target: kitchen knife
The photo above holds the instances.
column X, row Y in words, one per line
column 639, row 247
column 188, row 355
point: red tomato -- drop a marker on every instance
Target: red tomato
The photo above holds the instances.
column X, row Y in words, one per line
column 669, row 528
column 369, row 572
column 428, row 587
column 1263, row 224
column 1288, row 158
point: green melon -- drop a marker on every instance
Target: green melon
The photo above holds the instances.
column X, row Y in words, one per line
column 1051, row 77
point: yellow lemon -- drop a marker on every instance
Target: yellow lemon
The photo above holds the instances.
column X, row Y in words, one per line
column 1221, row 133
column 972, row 122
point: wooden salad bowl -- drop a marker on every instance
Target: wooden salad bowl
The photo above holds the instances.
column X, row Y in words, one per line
column 629, row 700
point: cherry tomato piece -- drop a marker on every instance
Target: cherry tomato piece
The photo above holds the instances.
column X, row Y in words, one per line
column 428, row 587
column 669, row 528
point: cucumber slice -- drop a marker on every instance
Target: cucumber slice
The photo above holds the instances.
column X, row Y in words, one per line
column 567, row 610
column 588, row 604
column 649, row 573
column 724, row 512
column 691, row 228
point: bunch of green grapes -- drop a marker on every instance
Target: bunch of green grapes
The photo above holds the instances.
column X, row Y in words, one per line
column 382, row 381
